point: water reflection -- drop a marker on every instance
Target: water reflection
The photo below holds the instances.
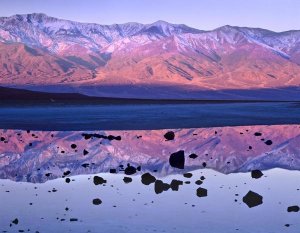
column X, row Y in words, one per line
column 37, row 156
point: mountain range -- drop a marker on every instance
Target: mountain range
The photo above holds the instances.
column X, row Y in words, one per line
column 161, row 59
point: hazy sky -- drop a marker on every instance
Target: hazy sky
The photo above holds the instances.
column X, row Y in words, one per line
column 277, row 15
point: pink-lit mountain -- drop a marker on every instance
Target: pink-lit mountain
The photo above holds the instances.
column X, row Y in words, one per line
column 38, row 51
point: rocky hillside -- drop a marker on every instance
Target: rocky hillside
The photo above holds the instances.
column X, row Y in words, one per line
column 40, row 50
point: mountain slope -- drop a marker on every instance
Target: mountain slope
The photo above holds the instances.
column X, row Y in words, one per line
column 41, row 50
column 22, row 64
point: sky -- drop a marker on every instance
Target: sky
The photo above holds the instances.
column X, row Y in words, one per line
column 276, row 15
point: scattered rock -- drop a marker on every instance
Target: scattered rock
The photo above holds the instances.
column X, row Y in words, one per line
column 85, row 152
column 148, row 179
column 201, row 192
column 48, row 174
column 66, row 173
column 99, row 180
column 175, row 184
column 199, row 182
column 268, row 142
column 130, row 170
column 15, row 221
column 169, row 136
column 256, row 174
column 188, row 175
column 127, row 180
column 252, row 199
column 193, row 156
column 68, row 180
column 177, row 159
column 160, row 186
column 97, row 201
column 95, row 135
column 293, row 209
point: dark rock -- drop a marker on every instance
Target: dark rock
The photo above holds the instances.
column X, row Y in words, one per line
column 177, row 159
column 193, row 156
column 99, row 180
column 256, row 174
column 293, row 209
column 188, row 175
column 48, row 174
column 268, row 142
column 160, row 186
column 66, row 173
column 148, row 179
column 257, row 134
column 97, row 201
column 169, row 135
column 130, row 170
column 127, row 180
column 201, row 192
column 85, row 165
column 85, row 152
column 15, row 221
column 109, row 137
column 175, row 184
column 199, row 182
column 252, row 199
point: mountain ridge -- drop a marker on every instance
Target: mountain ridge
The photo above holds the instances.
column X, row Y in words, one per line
column 155, row 22
column 38, row 49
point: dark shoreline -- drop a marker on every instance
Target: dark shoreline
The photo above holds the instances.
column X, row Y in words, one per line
column 16, row 97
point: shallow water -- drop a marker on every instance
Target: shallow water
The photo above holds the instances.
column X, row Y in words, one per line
column 38, row 156
column 135, row 207
column 150, row 116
